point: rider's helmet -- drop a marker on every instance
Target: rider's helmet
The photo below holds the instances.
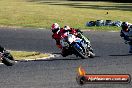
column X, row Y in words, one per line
column 67, row 28
column 55, row 27
column 124, row 26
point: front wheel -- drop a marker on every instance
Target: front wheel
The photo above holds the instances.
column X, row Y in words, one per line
column 79, row 52
column 8, row 62
column 91, row 54
column 8, row 59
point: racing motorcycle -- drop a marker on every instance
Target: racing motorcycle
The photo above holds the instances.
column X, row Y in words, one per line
column 79, row 46
column 7, row 58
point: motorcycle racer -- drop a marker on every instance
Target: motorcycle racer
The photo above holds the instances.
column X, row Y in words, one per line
column 126, row 34
column 58, row 33
column 56, row 29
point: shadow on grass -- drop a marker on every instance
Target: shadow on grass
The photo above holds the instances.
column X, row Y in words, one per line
column 115, row 6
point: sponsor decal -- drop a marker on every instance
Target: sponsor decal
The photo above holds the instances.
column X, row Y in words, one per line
column 84, row 78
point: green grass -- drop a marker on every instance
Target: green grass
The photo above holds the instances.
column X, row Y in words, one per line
column 23, row 55
column 42, row 13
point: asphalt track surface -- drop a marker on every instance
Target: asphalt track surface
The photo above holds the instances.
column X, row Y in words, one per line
column 111, row 58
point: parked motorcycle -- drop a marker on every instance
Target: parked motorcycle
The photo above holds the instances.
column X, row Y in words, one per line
column 79, row 46
column 7, row 58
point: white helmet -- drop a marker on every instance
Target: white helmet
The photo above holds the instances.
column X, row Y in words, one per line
column 55, row 27
column 125, row 25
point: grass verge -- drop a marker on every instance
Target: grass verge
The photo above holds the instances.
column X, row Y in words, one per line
column 24, row 55
column 42, row 13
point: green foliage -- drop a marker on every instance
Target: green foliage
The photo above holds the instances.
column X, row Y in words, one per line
column 42, row 13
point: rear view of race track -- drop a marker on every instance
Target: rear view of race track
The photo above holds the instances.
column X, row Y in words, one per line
column 112, row 57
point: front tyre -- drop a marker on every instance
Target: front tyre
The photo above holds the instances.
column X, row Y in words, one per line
column 8, row 59
column 91, row 54
column 79, row 52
